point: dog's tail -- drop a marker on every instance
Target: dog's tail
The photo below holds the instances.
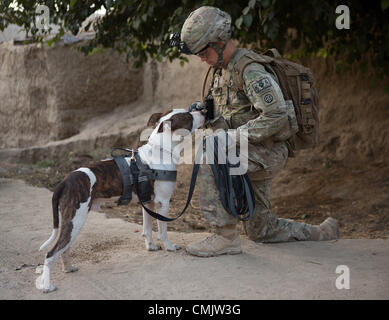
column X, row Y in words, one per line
column 55, row 202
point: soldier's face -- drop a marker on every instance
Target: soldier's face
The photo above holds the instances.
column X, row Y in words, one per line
column 209, row 56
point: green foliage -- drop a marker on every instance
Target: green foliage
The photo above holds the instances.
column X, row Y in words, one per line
column 140, row 28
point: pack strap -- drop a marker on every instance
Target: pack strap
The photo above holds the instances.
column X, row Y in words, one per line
column 204, row 83
column 274, row 52
column 245, row 60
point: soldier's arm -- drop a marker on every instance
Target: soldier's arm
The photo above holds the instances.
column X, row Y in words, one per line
column 266, row 96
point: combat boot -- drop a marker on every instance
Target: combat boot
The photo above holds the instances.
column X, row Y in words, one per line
column 327, row 230
column 225, row 240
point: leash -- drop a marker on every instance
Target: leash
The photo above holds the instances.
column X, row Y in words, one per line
column 236, row 191
column 135, row 171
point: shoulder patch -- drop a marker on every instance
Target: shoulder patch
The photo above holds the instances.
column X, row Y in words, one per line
column 268, row 98
column 261, row 84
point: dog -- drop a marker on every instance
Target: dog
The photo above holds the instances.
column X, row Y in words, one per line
column 83, row 188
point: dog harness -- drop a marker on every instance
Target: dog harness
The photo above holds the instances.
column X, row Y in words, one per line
column 142, row 172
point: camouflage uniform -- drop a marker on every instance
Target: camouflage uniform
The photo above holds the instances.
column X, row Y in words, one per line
column 261, row 110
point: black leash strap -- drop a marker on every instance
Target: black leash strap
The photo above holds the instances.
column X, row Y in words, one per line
column 236, row 192
column 156, row 215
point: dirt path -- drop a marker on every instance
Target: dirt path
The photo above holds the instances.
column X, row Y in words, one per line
column 113, row 263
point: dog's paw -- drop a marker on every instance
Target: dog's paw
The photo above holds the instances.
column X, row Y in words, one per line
column 39, row 285
column 51, row 288
column 71, row 269
column 173, row 247
column 153, row 247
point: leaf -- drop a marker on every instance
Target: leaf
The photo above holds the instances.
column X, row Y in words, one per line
column 384, row 4
column 238, row 22
column 252, row 3
column 265, row 3
column 248, row 20
column 72, row 3
column 129, row 22
column 136, row 23
column 94, row 50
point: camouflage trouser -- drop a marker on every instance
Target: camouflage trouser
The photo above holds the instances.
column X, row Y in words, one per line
column 264, row 226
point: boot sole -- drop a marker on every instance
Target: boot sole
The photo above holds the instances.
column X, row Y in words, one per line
column 202, row 254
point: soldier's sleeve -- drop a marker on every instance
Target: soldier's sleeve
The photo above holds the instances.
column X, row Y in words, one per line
column 266, row 96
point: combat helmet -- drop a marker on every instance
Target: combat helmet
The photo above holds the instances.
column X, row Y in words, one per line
column 201, row 29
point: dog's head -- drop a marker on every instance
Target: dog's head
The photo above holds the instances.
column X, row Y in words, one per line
column 170, row 130
column 177, row 119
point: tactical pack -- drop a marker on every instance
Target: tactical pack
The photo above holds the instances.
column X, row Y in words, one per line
column 297, row 85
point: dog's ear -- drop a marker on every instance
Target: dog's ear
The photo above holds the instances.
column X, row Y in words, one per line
column 178, row 121
column 154, row 118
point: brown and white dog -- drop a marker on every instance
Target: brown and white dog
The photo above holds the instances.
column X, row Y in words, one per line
column 74, row 196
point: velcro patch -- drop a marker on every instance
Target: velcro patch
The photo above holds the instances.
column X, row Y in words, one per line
column 261, row 84
column 268, row 98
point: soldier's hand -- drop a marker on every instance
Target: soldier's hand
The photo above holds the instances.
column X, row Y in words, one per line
column 196, row 106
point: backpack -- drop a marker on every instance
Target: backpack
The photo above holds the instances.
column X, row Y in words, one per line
column 297, row 84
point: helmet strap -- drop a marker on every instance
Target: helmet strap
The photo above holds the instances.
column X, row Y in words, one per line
column 219, row 52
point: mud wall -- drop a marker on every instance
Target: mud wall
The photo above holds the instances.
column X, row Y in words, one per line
column 47, row 93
